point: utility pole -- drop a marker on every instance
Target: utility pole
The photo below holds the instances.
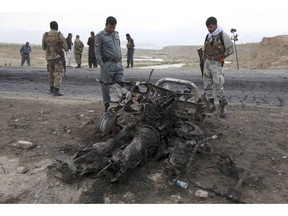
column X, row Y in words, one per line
column 235, row 38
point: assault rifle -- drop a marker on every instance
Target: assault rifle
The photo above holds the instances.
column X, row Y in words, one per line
column 200, row 54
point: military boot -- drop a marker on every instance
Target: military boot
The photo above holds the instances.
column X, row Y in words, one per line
column 57, row 93
column 127, row 65
column 131, row 65
column 222, row 106
column 212, row 106
column 51, row 90
column 78, row 66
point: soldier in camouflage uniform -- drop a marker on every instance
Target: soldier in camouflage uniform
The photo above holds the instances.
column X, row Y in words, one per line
column 217, row 47
column 78, row 50
column 54, row 42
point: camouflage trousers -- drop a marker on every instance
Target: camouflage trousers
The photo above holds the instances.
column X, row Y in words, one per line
column 55, row 69
column 78, row 58
column 213, row 79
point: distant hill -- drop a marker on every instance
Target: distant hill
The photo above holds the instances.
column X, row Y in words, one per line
column 271, row 53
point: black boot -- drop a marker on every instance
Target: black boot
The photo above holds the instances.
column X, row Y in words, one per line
column 131, row 65
column 51, row 90
column 222, row 105
column 57, row 93
column 78, row 66
column 127, row 65
column 211, row 104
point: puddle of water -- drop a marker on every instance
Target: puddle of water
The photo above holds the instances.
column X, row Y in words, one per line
column 149, row 59
column 164, row 66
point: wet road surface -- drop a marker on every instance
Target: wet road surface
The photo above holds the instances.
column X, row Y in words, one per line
column 247, row 87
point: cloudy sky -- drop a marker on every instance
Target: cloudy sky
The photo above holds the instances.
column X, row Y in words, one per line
column 152, row 22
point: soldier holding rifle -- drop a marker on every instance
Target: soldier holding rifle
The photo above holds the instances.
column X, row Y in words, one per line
column 217, row 47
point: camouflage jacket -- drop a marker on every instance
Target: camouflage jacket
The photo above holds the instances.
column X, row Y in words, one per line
column 78, row 46
column 54, row 43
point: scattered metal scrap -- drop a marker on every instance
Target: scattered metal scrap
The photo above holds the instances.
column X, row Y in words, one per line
column 165, row 124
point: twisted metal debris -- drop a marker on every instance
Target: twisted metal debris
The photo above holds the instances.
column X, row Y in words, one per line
column 168, row 114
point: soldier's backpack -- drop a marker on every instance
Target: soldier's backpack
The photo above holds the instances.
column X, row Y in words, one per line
column 52, row 39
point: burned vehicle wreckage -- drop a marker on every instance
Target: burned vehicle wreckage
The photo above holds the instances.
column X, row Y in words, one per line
column 165, row 122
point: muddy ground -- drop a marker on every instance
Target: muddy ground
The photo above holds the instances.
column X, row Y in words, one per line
column 254, row 134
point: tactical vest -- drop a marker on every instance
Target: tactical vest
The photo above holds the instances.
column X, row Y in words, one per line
column 216, row 46
column 54, row 45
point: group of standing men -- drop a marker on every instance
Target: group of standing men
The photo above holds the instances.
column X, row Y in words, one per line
column 78, row 50
column 217, row 46
column 92, row 61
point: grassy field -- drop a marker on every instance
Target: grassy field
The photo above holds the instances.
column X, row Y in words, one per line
column 186, row 55
column 10, row 55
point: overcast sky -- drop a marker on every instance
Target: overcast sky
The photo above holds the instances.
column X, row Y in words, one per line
column 160, row 23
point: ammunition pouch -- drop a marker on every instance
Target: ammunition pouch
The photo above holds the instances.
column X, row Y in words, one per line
column 219, row 59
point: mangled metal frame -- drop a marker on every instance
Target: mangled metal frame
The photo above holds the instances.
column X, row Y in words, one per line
column 130, row 139
column 157, row 113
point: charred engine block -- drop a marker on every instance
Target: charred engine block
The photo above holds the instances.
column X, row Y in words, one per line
column 160, row 111
column 133, row 138
column 155, row 117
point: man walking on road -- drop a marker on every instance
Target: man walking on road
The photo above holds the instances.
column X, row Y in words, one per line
column 217, row 47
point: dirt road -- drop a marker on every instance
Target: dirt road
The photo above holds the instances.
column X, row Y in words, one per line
column 254, row 134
